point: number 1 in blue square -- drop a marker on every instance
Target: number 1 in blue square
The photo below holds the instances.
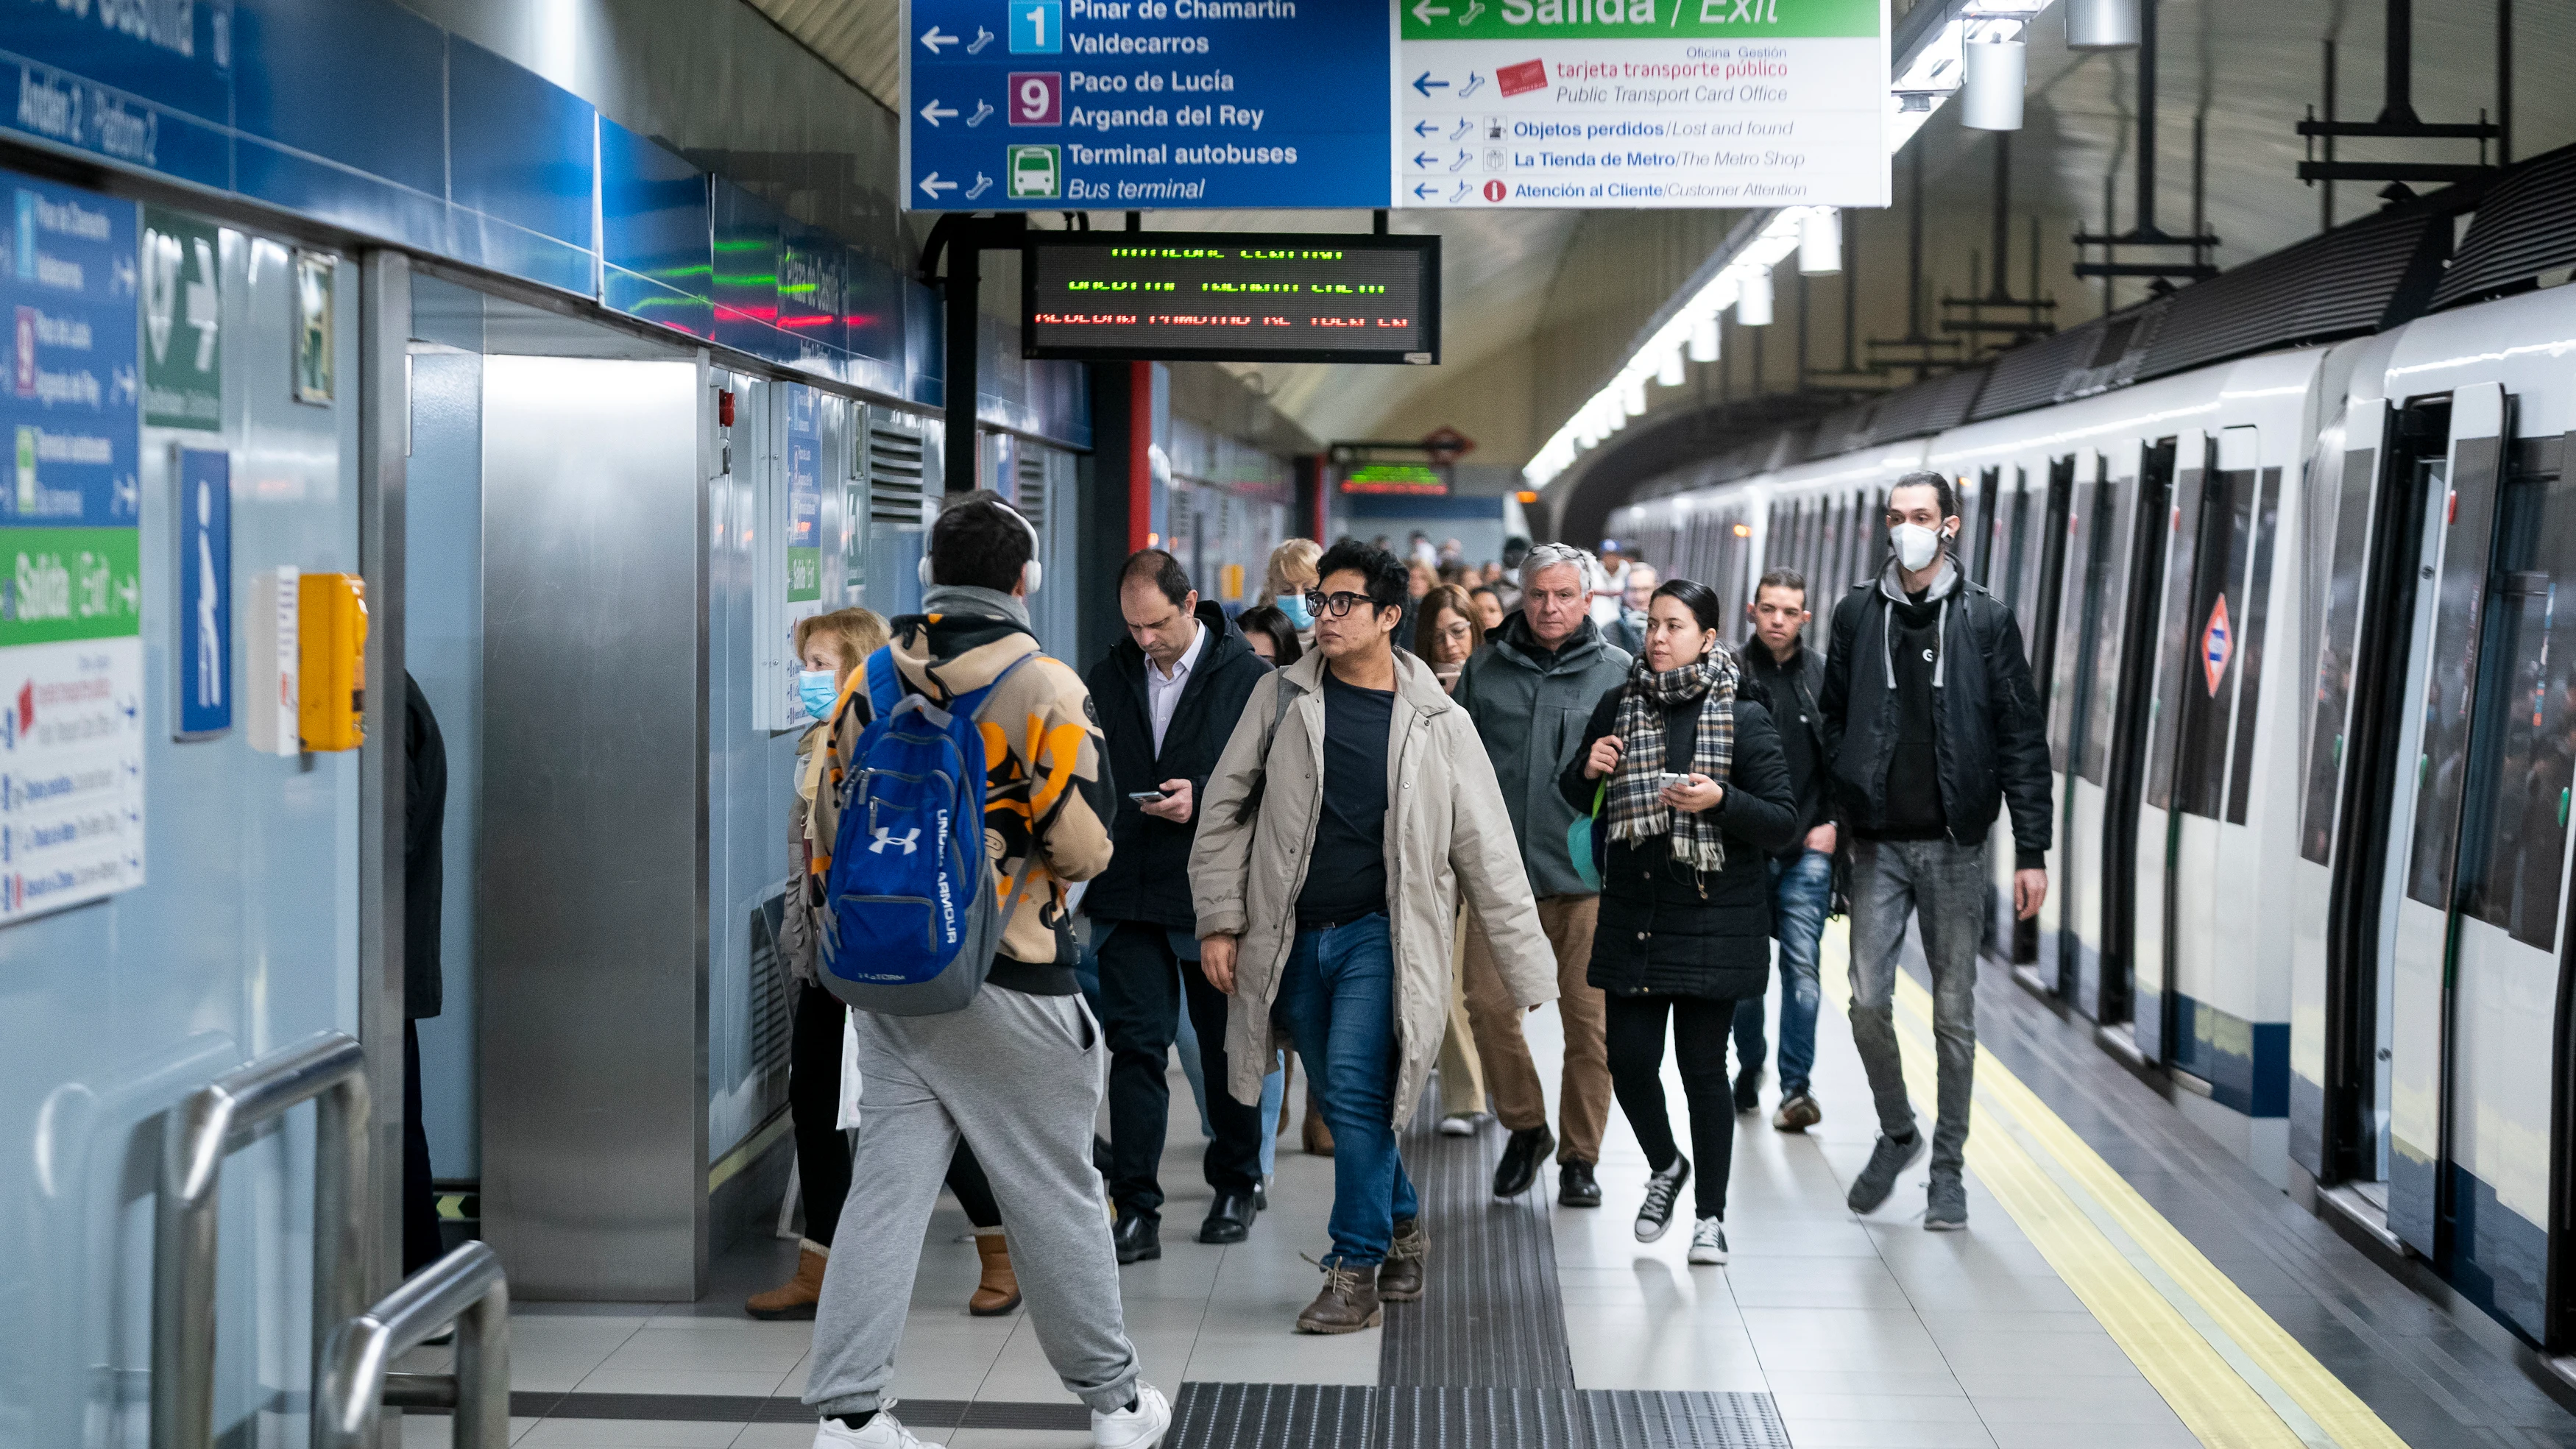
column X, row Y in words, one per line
column 1037, row 27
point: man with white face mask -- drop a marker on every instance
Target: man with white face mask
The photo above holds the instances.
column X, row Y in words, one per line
column 1931, row 725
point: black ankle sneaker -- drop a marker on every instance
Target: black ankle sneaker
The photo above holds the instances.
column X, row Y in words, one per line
column 1662, row 1190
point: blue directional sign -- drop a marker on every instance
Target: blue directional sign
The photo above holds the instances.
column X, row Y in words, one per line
column 1074, row 105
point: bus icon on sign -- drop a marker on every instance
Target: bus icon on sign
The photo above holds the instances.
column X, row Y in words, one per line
column 1034, row 172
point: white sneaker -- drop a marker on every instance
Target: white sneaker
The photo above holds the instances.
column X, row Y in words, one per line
column 1461, row 1125
column 1708, row 1243
column 1141, row 1427
column 884, row 1431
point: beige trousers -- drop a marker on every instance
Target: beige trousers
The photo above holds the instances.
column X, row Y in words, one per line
column 1520, row 1100
column 1462, row 1076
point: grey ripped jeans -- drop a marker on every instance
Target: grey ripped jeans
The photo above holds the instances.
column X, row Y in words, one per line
column 1943, row 885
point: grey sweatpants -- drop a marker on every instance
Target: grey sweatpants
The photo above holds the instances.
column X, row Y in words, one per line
column 1020, row 1076
column 1943, row 885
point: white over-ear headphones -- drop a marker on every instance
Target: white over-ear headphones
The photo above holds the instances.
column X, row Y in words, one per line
column 1030, row 572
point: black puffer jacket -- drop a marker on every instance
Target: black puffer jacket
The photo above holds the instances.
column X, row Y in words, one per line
column 1664, row 927
column 1989, row 735
column 1148, row 879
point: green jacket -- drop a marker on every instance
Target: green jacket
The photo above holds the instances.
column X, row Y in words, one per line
column 1531, row 717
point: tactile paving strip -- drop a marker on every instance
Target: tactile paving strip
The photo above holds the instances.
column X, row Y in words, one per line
column 1352, row 1416
column 1491, row 1312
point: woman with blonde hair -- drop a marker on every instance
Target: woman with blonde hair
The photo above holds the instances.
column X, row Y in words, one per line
column 1447, row 632
column 1285, row 580
column 831, row 650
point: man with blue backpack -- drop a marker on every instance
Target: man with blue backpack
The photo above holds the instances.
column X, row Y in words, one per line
column 958, row 817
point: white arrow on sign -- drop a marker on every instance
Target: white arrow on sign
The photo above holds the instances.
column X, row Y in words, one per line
column 1425, row 10
column 935, row 110
column 934, row 38
column 931, row 185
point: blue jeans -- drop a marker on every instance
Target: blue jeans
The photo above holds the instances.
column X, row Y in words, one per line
column 1802, row 890
column 1337, row 999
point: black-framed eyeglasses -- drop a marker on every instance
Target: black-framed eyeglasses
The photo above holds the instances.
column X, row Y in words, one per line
column 1337, row 605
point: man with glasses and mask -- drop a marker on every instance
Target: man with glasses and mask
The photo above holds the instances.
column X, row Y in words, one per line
column 1931, row 726
column 1325, row 911
column 1168, row 695
column 1529, row 691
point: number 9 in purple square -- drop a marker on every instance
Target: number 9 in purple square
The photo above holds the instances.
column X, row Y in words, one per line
column 1037, row 98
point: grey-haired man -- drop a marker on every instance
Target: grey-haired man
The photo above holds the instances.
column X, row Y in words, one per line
column 1549, row 666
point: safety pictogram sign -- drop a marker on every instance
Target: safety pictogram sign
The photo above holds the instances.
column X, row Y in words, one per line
column 2217, row 645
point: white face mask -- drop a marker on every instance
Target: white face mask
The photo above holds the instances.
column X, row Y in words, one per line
column 1915, row 546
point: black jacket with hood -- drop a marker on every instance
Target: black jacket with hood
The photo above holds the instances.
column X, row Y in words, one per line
column 1796, row 690
column 1148, row 878
column 1990, row 740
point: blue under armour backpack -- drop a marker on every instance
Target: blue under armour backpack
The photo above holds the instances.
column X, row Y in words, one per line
column 910, row 922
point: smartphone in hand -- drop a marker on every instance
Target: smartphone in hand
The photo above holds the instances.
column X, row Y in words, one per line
column 1146, row 797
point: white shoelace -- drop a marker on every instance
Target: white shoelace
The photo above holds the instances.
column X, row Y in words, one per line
column 1660, row 1189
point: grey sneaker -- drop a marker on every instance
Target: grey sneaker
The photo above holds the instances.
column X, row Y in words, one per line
column 1946, row 1207
column 1890, row 1157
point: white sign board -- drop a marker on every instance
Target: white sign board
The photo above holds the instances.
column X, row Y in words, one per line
column 1642, row 103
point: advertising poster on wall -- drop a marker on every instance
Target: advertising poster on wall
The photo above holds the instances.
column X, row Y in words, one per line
column 71, row 587
column 1642, row 103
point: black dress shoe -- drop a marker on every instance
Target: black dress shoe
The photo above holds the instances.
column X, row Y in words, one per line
column 1229, row 1219
column 1261, row 1196
column 1748, row 1090
column 1138, row 1238
column 1521, row 1156
column 1575, row 1186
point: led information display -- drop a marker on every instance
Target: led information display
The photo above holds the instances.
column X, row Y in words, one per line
column 1413, row 480
column 1231, row 296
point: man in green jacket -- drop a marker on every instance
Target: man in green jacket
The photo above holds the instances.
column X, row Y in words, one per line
column 1529, row 692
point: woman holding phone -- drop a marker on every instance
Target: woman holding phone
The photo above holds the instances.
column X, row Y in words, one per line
column 1694, row 795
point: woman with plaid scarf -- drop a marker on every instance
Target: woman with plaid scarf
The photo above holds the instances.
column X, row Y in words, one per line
column 1692, row 793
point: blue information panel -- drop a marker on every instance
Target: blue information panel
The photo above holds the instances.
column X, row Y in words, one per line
column 204, row 647
column 1072, row 105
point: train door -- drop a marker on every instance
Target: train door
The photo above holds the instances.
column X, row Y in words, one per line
column 2213, row 977
column 2187, row 577
column 2084, row 684
column 1989, row 483
column 2132, row 877
column 2090, row 776
column 2066, row 516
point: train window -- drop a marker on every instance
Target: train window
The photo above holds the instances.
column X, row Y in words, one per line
column 2460, row 599
column 2174, row 654
column 1989, row 483
column 1874, row 539
column 2250, row 630
column 2016, row 562
column 2102, row 624
column 2515, row 850
column 2335, row 650
column 2060, row 654
column 2213, row 643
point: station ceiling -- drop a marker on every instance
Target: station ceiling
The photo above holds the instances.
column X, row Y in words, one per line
column 1541, row 306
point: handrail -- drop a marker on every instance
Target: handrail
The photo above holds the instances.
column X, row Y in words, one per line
column 328, row 1069
column 466, row 1288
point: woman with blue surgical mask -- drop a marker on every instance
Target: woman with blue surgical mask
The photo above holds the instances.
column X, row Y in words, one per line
column 1284, row 582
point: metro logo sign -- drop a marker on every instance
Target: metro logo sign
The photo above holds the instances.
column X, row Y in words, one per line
column 2217, row 646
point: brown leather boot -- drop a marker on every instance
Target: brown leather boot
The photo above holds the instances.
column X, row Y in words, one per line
column 796, row 1297
column 1399, row 1278
column 999, row 1292
column 1347, row 1304
column 1318, row 1137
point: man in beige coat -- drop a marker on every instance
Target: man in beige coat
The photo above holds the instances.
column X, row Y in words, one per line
column 1351, row 807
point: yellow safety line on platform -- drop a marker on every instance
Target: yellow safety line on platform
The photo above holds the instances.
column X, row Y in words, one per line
column 2230, row 1373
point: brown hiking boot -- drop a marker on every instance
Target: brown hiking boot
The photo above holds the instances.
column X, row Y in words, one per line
column 796, row 1297
column 1347, row 1304
column 999, row 1292
column 1399, row 1278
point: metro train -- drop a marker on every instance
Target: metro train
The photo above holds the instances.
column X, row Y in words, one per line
column 2311, row 707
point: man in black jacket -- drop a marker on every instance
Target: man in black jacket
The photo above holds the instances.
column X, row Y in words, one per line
column 1168, row 694
column 1932, row 724
column 1802, row 874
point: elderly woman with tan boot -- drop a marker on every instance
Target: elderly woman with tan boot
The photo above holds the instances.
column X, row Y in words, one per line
column 831, row 648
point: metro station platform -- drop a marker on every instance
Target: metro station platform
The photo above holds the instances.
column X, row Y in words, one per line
column 2123, row 1284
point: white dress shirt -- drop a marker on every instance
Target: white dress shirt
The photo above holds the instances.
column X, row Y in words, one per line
column 1163, row 695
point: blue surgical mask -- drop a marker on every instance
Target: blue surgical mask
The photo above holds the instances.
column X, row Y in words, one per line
column 817, row 689
column 1294, row 606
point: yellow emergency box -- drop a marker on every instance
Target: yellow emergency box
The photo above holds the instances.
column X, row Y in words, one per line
column 331, row 637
